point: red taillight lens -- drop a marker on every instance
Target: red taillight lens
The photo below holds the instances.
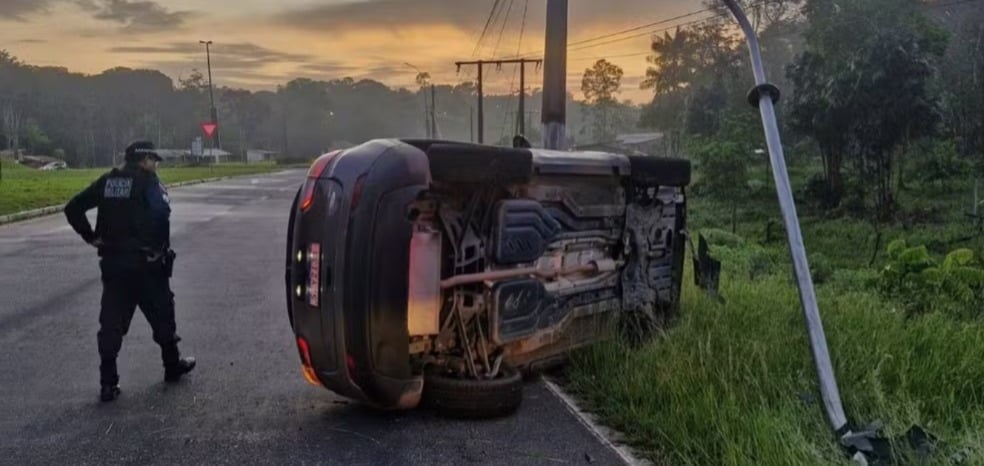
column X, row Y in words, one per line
column 302, row 347
column 308, row 194
column 315, row 172
column 306, row 367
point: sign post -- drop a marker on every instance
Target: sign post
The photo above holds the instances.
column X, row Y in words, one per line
column 209, row 129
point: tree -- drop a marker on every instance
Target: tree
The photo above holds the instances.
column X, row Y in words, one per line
column 14, row 83
column 963, row 78
column 600, row 84
column 694, row 76
column 307, row 116
column 724, row 173
column 863, row 89
column 247, row 111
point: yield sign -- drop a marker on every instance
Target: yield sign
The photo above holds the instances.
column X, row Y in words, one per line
column 209, row 128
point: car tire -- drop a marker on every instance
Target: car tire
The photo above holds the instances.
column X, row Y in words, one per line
column 474, row 399
column 469, row 163
column 660, row 171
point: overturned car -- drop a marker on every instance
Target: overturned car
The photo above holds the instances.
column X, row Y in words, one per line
column 440, row 272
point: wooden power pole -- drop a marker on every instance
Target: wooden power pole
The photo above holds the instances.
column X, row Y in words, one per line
column 481, row 65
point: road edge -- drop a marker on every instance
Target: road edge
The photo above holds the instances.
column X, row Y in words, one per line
column 52, row 210
column 606, row 436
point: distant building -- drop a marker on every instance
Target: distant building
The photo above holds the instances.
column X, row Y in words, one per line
column 260, row 155
column 39, row 162
column 184, row 156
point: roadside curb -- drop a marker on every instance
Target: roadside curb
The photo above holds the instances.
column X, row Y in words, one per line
column 51, row 210
column 606, row 436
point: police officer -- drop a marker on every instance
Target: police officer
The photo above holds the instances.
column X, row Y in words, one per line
column 133, row 239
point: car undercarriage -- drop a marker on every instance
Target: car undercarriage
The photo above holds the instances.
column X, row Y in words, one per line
column 531, row 271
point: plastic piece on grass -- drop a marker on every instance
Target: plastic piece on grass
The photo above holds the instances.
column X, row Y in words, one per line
column 707, row 270
column 874, row 448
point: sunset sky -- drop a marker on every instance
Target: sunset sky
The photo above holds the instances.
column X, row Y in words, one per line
column 261, row 43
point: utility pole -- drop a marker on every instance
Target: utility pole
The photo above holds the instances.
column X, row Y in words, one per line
column 433, row 113
column 216, row 141
column 554, row 116
column 428, row 125
column 521, row 128
column 481, row 65
column 521, row 120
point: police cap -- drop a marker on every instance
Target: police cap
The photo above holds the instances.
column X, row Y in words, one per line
column 138, row 150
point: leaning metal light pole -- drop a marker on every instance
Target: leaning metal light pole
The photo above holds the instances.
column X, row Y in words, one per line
column 764, row 96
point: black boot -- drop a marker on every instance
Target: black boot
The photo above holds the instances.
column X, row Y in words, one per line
column 173, row 373
column 109, row 392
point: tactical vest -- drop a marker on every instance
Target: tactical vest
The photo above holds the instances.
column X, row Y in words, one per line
column 123, row 221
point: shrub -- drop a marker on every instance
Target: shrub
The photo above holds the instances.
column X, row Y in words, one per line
column 923, row 284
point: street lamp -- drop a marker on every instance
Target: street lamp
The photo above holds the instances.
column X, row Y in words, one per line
column 211, row 94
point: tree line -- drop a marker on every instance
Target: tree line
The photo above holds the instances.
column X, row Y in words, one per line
column 881, row 92
column 87, row 120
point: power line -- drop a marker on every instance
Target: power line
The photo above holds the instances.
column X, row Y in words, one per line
column 643, row 26
column 607, row 57
column 647, row 33
column 495, row 21
column 590, row 42
column 522, row 28
column 624, row 31
column 584, row 44
column 512, row 83
column 690, row 23
column 485, row 30
column 505, row 21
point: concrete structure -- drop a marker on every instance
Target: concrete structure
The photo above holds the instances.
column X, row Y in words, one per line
column 177, row 156
column 260, row 155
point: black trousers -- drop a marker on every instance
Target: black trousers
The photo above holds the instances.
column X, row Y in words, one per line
column 128, row 283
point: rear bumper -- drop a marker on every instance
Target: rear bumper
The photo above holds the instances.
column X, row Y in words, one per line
column 357, row 334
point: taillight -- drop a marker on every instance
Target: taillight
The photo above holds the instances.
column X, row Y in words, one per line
column 306, row 367
column 314, row 173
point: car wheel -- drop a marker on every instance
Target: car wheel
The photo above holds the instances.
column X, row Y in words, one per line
column 660, row 171
column 474, row 399
column 469, row 163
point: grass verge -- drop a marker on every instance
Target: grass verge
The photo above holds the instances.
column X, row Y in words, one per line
column 733, row 383
column 22, row 188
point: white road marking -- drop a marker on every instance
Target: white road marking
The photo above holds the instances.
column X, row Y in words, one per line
column 241, row 187
column 587, row 420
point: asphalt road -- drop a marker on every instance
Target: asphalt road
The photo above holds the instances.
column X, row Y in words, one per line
column 247, row 402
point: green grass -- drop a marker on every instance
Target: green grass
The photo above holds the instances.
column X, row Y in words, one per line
column 22, row 188
column 734, row 383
